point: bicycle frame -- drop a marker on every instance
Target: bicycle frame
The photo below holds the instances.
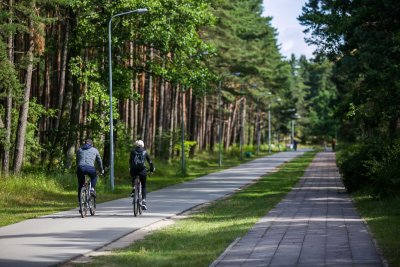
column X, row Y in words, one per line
column 137, row 196
column 86, row 200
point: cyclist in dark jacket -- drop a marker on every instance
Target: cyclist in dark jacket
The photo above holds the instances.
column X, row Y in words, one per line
column 86, row 157
column 139, row 169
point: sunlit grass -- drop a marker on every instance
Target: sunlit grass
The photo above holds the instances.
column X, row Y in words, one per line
column 383, row 218
column 29, row 196
column 201, row 238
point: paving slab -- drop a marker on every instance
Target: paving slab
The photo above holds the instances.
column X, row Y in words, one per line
column 56, row 239
column 316, row 224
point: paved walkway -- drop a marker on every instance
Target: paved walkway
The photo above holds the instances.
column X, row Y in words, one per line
column 56, row 239
column 316, row 224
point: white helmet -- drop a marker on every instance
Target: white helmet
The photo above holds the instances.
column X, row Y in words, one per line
column 140, row 143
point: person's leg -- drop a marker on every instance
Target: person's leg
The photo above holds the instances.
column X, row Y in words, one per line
column 91, row 171
column 93, row 179
column 81, row 180
column 143, row 180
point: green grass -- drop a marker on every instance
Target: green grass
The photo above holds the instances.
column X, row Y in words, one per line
column 201, row 238
column 383, row 218
column 36, row 193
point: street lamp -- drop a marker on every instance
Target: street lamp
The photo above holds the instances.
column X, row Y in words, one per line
column 183, row 164
column 140, row 10
column 219, row 125
column 295, row 116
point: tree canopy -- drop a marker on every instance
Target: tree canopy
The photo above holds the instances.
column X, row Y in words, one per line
column 167, row 63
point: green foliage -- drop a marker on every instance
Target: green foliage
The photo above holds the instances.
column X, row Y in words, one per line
column 33, row 148
column 321, row 101
column 366, row 60
column 361, row 38
column 188, row 145
column 352, row 161
column 245, row 42
column 10, row 87
column 385, row 171
column 184, row 42
column 8, row 78
column 372, row 166
column 383, row 218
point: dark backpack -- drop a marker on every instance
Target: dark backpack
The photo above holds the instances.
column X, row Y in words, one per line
column 137, row 160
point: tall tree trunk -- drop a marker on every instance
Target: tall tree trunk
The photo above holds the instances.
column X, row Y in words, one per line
column 63, row 71
column 73, row 83
column 203, row 124
column 160, row 117
column 62, row 96
column 154, row 118
column 136, row 125
column 242, row 122
column 232, row 122
column 44, row 122
column 249, row 136
column 8, row 107
column 141, row 107
column 174, row 120
column 193, row 125
column 73, row 121
column 212, row 133
column 24, row 109
column 147, row 108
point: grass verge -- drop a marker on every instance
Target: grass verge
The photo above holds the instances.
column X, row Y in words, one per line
column 383, row 218
column 203, row 236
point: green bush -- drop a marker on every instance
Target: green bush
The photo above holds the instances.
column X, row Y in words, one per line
column 385, row 173
column 354, row 164
column 373, row 166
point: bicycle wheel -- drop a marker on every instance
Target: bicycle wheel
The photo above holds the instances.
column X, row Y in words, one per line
column 139, row 202
column 83, row 203
column 92, row 205
column 136, row 198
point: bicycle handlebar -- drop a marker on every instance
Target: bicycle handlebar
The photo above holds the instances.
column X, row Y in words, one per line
column 105, row 170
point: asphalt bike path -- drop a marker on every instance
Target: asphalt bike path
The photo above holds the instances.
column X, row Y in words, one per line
column 316, row 224
column 56, row 239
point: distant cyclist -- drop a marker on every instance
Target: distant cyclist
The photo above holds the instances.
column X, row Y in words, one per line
column 86, row 157
column 137, row 167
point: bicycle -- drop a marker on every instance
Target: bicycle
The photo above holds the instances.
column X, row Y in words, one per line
column 137, row 195
column 87, row 200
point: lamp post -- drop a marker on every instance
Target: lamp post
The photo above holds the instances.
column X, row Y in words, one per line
column 295, row 116
column 219, row 125
column 269, row 127
column 291, row 112
column 183, row 163
column 292, row 141
column 258, row 127
column 140, row 10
